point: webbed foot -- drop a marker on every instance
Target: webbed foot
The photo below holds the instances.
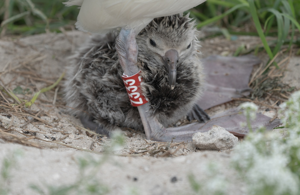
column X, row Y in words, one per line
column 198, row 114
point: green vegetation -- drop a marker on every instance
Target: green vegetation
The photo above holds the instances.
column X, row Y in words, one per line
column 8, row 163
column 86, row 181
column 276, row 18
column 266, row 163
column 19, row 90
column 27, row 17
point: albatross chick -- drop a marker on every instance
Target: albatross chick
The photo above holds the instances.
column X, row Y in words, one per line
column 168, row 58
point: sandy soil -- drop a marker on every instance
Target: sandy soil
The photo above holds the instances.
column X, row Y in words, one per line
column 57, row 139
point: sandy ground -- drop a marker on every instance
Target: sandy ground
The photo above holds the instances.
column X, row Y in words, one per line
column 148, row 175
column 58, row 139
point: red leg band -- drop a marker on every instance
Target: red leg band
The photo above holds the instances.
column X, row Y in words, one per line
column 133, row 87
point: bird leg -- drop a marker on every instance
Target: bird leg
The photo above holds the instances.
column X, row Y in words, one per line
column 197, row 113
column 128, row 50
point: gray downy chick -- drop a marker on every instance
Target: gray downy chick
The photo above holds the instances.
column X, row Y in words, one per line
column 95, row 92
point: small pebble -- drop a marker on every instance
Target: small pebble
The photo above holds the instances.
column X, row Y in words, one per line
column 174, row 179
column 146, row 169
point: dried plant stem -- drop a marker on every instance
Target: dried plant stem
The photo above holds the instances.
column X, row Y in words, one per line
column 16, row 139
column 36, row 95
column 55, row 95
column 10, row 93
column 256, row 102
column 261, row 72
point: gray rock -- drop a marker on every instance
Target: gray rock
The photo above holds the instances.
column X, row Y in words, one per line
column 217, row 138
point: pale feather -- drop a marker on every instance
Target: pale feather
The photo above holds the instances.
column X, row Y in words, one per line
column 98, row 16
column 74, row 2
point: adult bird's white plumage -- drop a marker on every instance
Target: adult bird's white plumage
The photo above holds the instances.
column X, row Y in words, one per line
column 100, row 16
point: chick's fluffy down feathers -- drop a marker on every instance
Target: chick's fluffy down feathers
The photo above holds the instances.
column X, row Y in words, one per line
column 101, row 16
column 94, row 85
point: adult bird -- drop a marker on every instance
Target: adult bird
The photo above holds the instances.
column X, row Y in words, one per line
column 102, row 16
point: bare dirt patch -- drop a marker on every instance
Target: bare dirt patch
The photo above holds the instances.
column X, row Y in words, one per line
column 29, row 64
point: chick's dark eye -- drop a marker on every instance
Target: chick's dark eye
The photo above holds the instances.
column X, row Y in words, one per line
column 152, row 43
column 188, row 47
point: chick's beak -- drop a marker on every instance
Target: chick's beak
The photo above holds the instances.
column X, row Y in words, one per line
column 171, row 59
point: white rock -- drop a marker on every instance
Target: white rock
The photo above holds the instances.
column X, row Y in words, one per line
column 217, row 138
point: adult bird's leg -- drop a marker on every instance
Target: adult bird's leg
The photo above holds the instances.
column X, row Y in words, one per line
column 128, row 50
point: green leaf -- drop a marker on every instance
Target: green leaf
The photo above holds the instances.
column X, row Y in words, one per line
column 37, row 189
column 291, row 5
column 36, row 11
column 293, row 20
column 18, row 90
column 198, row 15
column 280, row 29
column 222, row 3
column 239, row 50
column 212, row 20
column 257, row 23
column 193, row 183
column 226, row 33
column 268, row 24
column 14, row 18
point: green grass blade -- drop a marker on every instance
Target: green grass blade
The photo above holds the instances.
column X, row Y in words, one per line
column 244, row 2
column 10, row 7
column 268, row 24
column 286, row 27
column 287, row 8
column 292, row 20
column 280, row 29
column 258, row 4
column 291, row 5
column 292, row 36
column 268, row 28
column 254, row 15
column 239, row 50
column 14, row 18
column 212, row 8
column 226, row 33
column 198, row 15
column 36, row 11
column 222, row 3
column 214, row 19
column 240, row 18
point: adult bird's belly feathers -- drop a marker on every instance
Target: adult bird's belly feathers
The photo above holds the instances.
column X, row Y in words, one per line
column 101, row 16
